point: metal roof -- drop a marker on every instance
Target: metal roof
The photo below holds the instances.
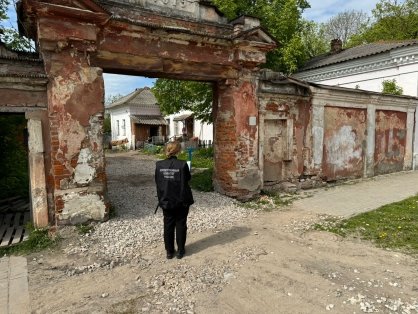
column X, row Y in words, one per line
column 355, row 53
column 140, row 97
column 182, row 117
column 149, row 120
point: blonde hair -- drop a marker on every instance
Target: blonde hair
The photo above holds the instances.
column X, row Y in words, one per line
column 172, row 149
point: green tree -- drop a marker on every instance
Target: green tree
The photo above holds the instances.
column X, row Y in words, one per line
column 392, row 21
column 174, row 95
column 345, row 25
column 282, row 19
column 390, row 87
column 9, row 35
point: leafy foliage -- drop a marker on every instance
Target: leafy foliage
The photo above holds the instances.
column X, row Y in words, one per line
column 282, row 19
column 390, row 87
column 10, row 36
column 174, row 96
column 107, row 126
column 345, row 25
column 392, row 21
column 14, row 178
column 202, row 181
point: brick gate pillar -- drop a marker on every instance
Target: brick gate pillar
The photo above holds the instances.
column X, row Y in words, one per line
column 75, row 109
column 237, row 172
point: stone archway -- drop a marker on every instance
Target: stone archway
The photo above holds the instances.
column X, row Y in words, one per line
column 79, row 39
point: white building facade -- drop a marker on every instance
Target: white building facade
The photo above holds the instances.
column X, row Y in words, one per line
column 136, row 119
column 183, row 123
column 366, row 67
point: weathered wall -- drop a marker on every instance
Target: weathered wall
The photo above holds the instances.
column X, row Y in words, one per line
column 344, row 142
column 390, row 141
column 336, row 133
column 75, row 107
column 236, row 142
column 285, row 126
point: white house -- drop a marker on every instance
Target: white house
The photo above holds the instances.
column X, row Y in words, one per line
column 136, row 118
column 366, row 67
column 183, row 123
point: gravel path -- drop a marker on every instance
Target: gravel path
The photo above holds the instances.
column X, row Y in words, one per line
column 266, row 263
column 135, row 236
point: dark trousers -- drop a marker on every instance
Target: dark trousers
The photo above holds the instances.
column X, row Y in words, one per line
column 175, row 220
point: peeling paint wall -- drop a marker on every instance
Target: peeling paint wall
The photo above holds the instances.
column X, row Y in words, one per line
column 285, row 126
column 75, row 96
column 344, row 142
column 390, row 141
column 236, row 142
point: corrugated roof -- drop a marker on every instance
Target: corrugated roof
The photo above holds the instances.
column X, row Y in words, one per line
column 141, row 97
column 355, row 53
column 182, row 117
column 149, row 120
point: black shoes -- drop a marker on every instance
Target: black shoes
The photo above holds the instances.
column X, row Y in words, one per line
column 179, row 254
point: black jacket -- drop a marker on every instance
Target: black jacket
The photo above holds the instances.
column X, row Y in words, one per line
column 172, row 177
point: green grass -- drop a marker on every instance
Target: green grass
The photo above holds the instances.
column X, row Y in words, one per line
column 201, row 158
column 39, row 239
column 202, row 181
column 393, row 226
column 84, row 228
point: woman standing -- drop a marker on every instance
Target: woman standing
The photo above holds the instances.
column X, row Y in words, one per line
column 172, row 178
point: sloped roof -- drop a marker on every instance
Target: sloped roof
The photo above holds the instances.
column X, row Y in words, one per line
column 141, row 97
column 355, row 53
column 149, row 120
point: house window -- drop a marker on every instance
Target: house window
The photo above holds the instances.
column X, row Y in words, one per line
column 117, row 128
column 123, row 127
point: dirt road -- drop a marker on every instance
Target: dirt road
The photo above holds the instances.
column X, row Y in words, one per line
column 269, row 262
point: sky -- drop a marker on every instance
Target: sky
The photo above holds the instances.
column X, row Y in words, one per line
column 320, row 11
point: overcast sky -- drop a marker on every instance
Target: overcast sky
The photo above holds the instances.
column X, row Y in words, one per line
column 320, row 11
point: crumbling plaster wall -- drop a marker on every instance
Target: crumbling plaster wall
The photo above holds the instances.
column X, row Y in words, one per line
column 236, row 141
column 336, row 133
column 75, row 105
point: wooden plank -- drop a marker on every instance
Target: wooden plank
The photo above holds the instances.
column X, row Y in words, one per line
column 4, row 208
column 10, row 199
column 18, row 204
column 23, row 207
column 8, row 219
column 7, row 237
column 26, row 218
column 16, row 221
column 25, row 234
column 17, row 235
column 3, row 229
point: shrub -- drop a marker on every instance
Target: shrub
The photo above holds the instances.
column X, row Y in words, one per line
column 202, row 181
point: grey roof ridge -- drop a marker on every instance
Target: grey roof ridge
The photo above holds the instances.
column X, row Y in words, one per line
column 123, row 100
column 402, row 43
